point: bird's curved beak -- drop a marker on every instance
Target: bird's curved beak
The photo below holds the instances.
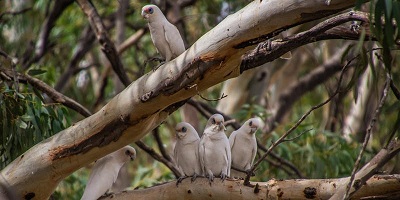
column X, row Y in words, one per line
column 180, row 135
column 132, row 157
column 144, row 14
column 221, row 126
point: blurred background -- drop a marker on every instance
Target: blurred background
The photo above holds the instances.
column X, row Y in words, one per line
column 53, row 41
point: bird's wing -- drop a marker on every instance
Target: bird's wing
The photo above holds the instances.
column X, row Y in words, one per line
column 201, row 155
column 253, row 153
column 232, row 139
column 103, row 175
column 176, row 158
column 176, row 153
column 229, row 158
column 174, row 40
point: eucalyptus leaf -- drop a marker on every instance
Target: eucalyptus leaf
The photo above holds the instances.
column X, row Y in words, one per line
column 34, row 72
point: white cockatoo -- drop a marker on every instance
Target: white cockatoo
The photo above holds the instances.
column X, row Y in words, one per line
column 214, row 149
column 105, row 172
column 186, row 151
column 165, row 36
column 243, row 145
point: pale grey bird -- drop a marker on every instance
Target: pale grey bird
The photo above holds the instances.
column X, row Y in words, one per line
column 165, row 36
column 105, row 172
column 186, row 151
column 243, row 145
column 214, row 149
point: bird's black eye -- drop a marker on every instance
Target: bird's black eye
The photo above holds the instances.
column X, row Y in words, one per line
column 213, row 121
column 250, row 123
column 184, row 129
column 151, row 10
column 127, row 152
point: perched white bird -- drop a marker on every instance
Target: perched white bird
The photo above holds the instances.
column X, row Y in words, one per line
column 105, row 172
column 165, row 36
column 243, row 145
column 214, row 149
column 186, row 152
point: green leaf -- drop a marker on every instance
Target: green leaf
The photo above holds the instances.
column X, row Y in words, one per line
column 388, row 11
column 26, row 118
column 387, row 58
column 358, row 4
column 20, row 95
column 360, row 42
column 379, row 9
column 389, row 33
column 396, row 15
column 34, row 72
column 37, row 92
column 20, row 123
column 44, row 111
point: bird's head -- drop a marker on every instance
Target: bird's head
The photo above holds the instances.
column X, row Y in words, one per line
column 186, row 131
column 130, row 152
column 217, row 120
column 253, row 124
column 150, row 11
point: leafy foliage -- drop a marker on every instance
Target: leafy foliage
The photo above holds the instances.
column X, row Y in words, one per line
column 26, row 120
column 386, row 12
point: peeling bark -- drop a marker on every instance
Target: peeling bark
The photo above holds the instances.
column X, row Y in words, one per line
column 273, row 189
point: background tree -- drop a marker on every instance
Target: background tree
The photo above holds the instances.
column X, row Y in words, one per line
column 61, row 62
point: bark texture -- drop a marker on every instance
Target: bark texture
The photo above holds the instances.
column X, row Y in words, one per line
column 387, row 185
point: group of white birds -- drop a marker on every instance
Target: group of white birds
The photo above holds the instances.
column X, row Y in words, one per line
column 214, row 154
column 211, row 155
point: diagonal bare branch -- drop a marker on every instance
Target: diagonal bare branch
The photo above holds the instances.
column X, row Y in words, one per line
column 42, row 43
column 107, row 46
column 42, row 86
column 366, row 139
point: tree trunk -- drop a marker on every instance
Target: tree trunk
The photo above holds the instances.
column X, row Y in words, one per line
column 148, row 101
column 378, row 186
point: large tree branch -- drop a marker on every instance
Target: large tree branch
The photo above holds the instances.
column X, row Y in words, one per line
column 378, row 185
column 322, row 31
column 148, row 101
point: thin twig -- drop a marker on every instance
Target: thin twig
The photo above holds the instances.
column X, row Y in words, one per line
column 42, row 86
column 42, row 44
column 296, row 137
column 199, row 108
column 367, row 136
column 281, row 160
column 156, row 134
column 395, row 90
column 241, row 170
column 13, row 13
column 219, row 98
column 282, row 138
column 207, row 111
column 158, row 157
column 229, row 122
column 107, row 46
